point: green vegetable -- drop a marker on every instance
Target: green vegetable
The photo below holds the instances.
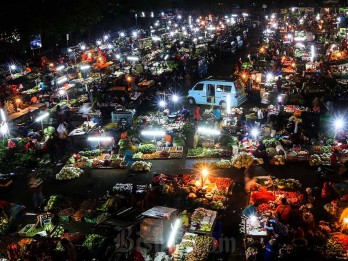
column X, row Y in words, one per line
column 93, row 241
column 270, row 142
column 329, row 142
column 326, row 149
column 187, row 128
column 147, row 148
column 195, row 152
column 89, row 153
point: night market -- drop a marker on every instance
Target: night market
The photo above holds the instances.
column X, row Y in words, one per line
column 187, row 136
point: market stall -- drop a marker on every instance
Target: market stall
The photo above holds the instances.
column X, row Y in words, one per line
column 155, row 226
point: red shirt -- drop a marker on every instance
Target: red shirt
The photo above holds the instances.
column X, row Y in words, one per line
column 197, row 114
column 29, row 146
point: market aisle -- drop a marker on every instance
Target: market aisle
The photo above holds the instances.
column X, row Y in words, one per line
column 225, row 67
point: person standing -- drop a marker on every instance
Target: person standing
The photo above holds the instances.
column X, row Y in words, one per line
column 279, row 84
column 197, row 114
column 217, row 116
column 185, row 114
column 251, row 210
column 249, row 88
column 283, row 212
column 249, row 174
column 334, row 161
column 35, row 185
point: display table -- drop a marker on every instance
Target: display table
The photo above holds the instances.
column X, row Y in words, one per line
column 203, row 221
column 23, row 112
column 82, row 130
column 79, row 135
column 254, row 228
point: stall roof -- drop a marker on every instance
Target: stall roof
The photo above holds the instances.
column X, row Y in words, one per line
column 159, row 212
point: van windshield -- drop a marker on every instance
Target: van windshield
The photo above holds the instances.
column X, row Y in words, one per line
column 199, row 87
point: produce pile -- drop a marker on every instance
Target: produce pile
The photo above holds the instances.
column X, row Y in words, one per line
column 208, row 153
column 261, row 197
column 222, row 164
column 202, row 220
column 57, row 231
column 79, row 161
column 341, row 239
column 69, row 173
column 303, row 155
column 193, row 247
column 147, row 148
column 319, row 159
column 293, row 198
column 160, row 153
column 96, row 161
column 334, row 249
column 278, row 160
column 140, row 166
column 218, row 202
column 244, row 160
column 271, row 152
column 272, row 142
column 265, row 181
column 53, row 202
column 93, row 241
column 201, row 249
column 170, row 152
column 49, row 133
column 89, row 153
column 287, row 183
column 76, row 238
column 4, row 225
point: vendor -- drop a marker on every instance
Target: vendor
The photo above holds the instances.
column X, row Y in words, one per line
column 249, row 174
column 30, row 145
column 197, row 114
column 261, row 147
column 184, row 219
column 34, row 99
column 217, row 116
column 251, row 210
column 334, row 160
column 283, row 212
column 276, row 229
column 185, row 114
column 168, row 140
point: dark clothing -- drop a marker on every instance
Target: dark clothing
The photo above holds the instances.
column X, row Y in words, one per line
column 250, row 172
column 279, row 85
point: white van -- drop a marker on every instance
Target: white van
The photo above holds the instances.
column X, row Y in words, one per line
column 215, row 92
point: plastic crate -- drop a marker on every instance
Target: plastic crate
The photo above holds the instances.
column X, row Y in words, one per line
column 26, row 229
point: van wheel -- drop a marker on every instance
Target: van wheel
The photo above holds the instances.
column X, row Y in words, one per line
column 191, row 101
column 223, row 105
